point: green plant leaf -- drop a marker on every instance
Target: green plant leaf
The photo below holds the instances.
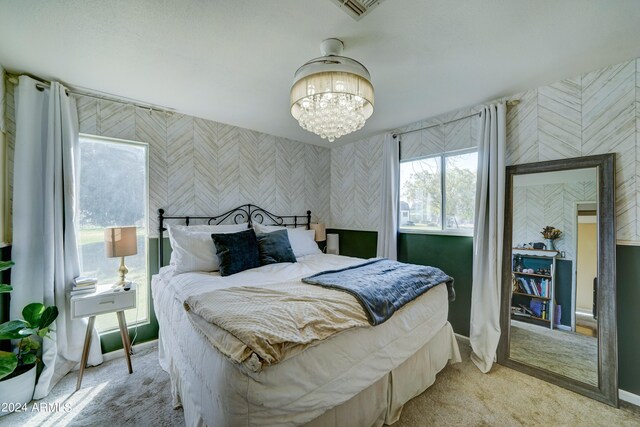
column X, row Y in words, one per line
column 48, row 316
column 11, row 330
column 32, row 313
column 33, row 344
column 29, row 359
column 5, row 289
column 5, row 265
column 43, row 332
column 8, row 363
column 28, row 331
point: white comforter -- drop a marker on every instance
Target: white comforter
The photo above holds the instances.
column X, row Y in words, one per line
column 301, row 388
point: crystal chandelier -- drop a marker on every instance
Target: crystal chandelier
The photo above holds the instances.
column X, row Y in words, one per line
column 332, row 95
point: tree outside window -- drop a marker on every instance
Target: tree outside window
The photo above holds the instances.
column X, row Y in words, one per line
column 113, row 192
column 427, row 185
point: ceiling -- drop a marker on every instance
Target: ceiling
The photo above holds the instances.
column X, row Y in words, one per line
column 233, row 61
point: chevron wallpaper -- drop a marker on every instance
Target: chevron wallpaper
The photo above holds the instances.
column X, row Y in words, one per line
column 595, row 113
column 198, row 166
column 537, row 206
column 201, row 166
column 356, row 167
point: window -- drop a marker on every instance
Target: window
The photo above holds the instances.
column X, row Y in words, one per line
column 113, row 192
column 438, row 193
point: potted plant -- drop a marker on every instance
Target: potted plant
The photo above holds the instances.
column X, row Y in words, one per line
column 18, row 367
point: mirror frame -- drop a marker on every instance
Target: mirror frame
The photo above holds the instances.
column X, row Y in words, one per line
column 607, row 389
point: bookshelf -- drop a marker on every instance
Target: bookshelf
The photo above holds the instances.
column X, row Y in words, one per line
column 533, row 286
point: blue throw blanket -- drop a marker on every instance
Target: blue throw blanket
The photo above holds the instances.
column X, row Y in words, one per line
column 383, row 286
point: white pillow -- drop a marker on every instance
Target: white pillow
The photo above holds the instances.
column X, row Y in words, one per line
column 302, row 240
column 193, row 248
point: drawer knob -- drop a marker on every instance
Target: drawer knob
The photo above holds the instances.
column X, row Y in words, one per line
column 107, row 302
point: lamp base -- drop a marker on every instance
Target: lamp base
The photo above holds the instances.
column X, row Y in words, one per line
column 120, row 285
column 123, row 270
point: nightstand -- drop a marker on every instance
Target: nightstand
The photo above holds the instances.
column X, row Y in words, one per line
column 104, row 300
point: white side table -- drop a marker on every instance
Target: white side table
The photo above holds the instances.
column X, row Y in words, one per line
column 104, row 300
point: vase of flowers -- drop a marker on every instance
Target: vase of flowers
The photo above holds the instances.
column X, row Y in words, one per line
column 550, row 234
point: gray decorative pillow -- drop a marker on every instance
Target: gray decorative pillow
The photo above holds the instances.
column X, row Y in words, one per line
column 237, row 251
column 274, row 247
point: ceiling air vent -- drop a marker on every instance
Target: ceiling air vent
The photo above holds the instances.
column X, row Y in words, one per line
column 357, row 8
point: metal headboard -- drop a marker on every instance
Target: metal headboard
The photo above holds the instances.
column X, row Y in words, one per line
column 244, row 213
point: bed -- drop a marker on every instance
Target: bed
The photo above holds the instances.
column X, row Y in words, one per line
column 358, row 377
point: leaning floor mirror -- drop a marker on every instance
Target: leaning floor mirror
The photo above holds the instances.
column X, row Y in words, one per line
column 558, row 304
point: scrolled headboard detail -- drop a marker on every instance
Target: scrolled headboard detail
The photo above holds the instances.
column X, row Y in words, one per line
column 244, row 213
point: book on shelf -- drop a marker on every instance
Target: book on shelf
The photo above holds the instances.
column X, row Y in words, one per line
column 536, row 307
column 526, row 310
column 523, row 285
column 544, row 288
column 517, row 311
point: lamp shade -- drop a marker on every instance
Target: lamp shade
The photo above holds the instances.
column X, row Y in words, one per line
column 333, row 244
column 332, row 95
column 120, row 241
column 321, row 232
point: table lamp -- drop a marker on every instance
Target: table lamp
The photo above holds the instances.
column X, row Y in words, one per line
column 333, row 244
column 120, row 242
column 321, row 232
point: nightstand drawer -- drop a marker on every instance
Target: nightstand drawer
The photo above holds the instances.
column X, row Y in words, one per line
column 106, row 302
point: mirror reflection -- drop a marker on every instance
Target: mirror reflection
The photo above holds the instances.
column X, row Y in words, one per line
column 554, row 272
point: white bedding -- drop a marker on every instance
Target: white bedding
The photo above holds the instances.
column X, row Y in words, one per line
column 296, row 390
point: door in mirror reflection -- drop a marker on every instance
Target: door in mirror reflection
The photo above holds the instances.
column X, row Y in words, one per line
column 554, row 273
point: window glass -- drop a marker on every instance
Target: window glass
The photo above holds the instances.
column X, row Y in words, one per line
column 460, row 190
column 113, row 192
column 424, row 207
column 421, row 194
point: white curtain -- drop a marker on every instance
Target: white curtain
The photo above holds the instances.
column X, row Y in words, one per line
column 388, row 228
column 44, row 235
column 487, row 237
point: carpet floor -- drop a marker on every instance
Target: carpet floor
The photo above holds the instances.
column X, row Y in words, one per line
column 461, row 396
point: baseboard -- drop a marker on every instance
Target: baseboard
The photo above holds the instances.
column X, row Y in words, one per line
column 136, row 348
column 463, row 338
column 629, row 397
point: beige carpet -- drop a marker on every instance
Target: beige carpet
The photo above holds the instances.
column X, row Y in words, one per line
column 461, row 396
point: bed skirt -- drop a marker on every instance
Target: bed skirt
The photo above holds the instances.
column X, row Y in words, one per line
column 381, row 403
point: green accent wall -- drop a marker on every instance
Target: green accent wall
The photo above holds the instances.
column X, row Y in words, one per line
column 454, row 255
column 361, row 244
column 564, row 289
column 628, row 295
column 451, row 254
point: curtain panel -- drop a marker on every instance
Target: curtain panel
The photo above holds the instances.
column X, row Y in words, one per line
column 389, row 188
column 488, row 237
column 44, row 230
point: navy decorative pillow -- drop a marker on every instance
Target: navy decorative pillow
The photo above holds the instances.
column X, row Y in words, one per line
column 275, row 247
column 237, row 251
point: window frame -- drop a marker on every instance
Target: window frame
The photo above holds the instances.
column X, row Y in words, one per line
column 443, row 209
column 106, row 139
